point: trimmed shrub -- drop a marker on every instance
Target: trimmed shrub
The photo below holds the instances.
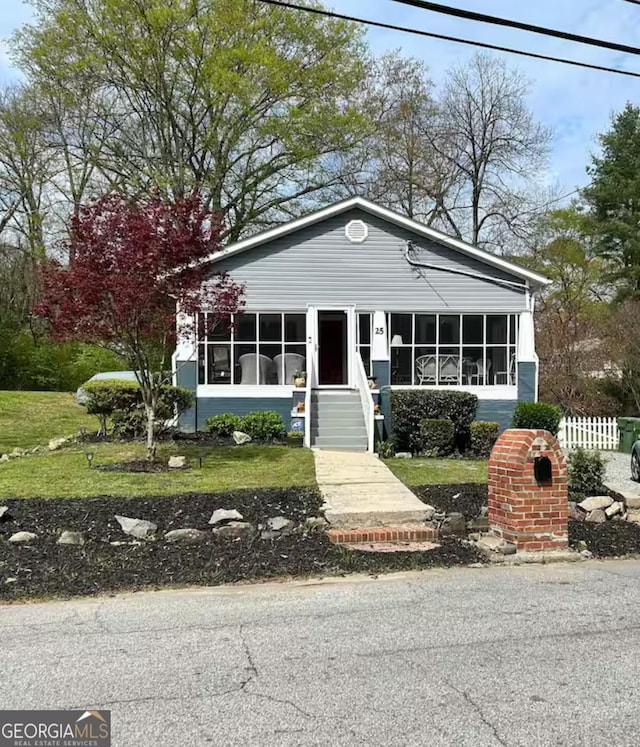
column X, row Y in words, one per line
column 122, row 402
column 224, row 424
column 484, row 434
column 410, row 407
column 437, row 436
column 537, row 415
column 105, row 396
column 586, row 473
column 386, row 449
column 263, row 426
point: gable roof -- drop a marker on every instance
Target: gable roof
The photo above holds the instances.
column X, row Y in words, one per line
column 388, row 215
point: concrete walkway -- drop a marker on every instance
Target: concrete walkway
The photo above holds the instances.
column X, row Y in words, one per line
column 361, row 491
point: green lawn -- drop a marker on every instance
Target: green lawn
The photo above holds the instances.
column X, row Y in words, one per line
column 428, row 471
column 30, row 419
column 66, row 474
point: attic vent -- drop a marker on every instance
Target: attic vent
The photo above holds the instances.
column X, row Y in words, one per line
column 356, row 231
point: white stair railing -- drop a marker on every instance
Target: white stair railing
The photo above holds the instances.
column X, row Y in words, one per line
column 596, row 434
column 311, row 384
column 366, row 399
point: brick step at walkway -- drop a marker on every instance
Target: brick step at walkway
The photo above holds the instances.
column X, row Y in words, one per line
column 386, row 535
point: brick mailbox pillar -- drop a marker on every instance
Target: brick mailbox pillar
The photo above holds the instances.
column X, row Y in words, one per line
column 528, row 502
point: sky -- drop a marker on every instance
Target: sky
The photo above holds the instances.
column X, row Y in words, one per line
column 576, row 103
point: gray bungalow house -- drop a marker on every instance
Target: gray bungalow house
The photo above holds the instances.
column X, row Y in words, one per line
column 351, row 302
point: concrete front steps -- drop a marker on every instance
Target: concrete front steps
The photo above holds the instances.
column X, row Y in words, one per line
column 337, row 420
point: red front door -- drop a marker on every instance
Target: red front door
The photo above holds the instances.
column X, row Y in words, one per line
column 332, row 347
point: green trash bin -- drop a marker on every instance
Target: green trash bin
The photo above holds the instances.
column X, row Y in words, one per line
column 629, row 433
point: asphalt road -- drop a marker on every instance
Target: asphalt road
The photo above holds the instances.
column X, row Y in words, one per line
column 538, row 655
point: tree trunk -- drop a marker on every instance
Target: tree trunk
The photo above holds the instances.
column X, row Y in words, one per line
column 151, row 442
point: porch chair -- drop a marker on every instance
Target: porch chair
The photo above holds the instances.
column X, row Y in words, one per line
column 292, row 362
column 510, row 375
column 450, row 369
column 426, row 369
column 248, row 368
column 481, row 373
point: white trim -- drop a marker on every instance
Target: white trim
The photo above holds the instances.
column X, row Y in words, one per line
column 228, row 391
column 388, row 215
column 362, row 226
column 491, row 391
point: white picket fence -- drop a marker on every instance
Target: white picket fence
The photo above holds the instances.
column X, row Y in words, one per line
column 599, row 434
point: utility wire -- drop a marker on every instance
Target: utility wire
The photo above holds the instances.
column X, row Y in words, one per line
column 635, row 2
column 497, row 21
column 443, row 37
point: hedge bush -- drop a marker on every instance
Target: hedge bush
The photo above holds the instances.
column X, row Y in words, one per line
column 483, row 435
column 263, row 426
column 537, row 415
column 224, row 424
column 437, row 436
column 410, row 407
column 122, row 402
column 586, row 473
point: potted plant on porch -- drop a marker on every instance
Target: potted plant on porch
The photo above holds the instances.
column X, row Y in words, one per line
column 295, row 439
column 300, row 378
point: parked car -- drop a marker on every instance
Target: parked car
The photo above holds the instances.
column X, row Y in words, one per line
column 635, row 461
column 81, row 394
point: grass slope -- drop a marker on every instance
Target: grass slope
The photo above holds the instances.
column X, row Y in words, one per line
column 30, row 419
column 429, row 471
column 65, row 473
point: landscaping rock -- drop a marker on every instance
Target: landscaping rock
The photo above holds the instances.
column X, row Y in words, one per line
column 57, row 443
column 4, row 510
column 235, row 530
column 453, row 524
column 17, row 452
column 615, row 508
column 597, row 516
column 596, row 502
column 177, row 462
column 225, row 514
column 491, row 543
column 586, row 554
column 429, row 512
column 4, row 458
column 71, row 538
column 404, row 455
column 576, row 513
column 241, row 438
column 279, row 524
column 633, row 516
column 633, row 501
column 21, row 538
column 315, row 522
column 185, row 535
column 137, row 527
column 269, row 535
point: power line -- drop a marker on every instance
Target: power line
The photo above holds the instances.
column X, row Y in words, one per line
column 635, row 2
column 443, row 37
column 497, row 21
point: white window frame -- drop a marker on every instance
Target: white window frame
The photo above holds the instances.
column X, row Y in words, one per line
column 491, row 385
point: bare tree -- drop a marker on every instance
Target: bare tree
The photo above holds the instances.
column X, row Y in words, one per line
column 491, row 140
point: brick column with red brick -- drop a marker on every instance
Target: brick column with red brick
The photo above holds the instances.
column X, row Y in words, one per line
column 528, row 502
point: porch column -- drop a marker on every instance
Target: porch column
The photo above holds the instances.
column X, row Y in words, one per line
column 527, row 359
column 380, row 364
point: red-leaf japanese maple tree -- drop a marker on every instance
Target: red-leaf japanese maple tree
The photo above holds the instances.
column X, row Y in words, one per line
column 131, row 264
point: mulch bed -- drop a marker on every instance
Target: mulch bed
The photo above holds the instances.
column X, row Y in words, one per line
column 140, row 465
column 46, row 569
column 465, row 498
column 609, row 540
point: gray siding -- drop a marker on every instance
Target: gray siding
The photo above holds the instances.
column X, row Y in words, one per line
column 186, row 377
column 497, row 410
column 208, row 406
column 526, row 381
column 318, row 265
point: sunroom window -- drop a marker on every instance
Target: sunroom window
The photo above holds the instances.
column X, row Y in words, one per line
column 258, row 348
column 453, row 349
